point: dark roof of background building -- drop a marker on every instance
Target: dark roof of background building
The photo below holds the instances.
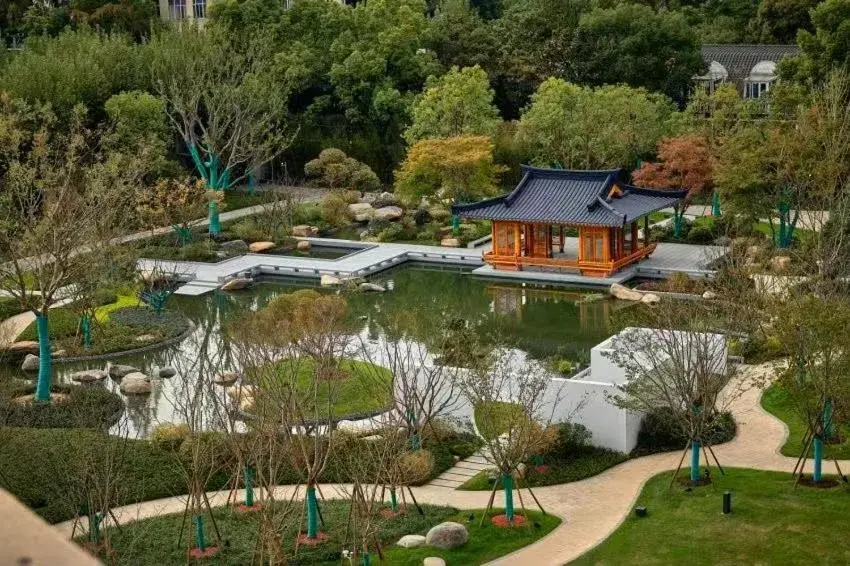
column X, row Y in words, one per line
column 739, row 59
column 562, row 196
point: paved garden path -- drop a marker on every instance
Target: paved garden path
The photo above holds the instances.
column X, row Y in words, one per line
column 591, row 509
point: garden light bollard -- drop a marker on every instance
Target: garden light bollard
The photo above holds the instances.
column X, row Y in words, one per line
column 508, row 481
column 45, row 368
column 695, row 447
column 727, row 502
column 312, row 512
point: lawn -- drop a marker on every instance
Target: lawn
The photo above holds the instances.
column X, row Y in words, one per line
column 235, row 200
column 771, row 523
column 776, row 402
column 153, row 541
column 364, row 388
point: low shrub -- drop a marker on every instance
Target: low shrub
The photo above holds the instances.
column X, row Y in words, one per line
column 9, row 308
column 392, row 233
column 572, row 439
column 702, row 235
column 62, row 323
column 660, row 433
column 421, row 216
column 169, row 436
column 335, row 208
column 172, row 323
column 249, row 230
column 85, row 407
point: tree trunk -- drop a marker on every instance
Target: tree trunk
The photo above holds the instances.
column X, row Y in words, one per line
column 818, row 457
column 200, row 541
column 45, row 362
column 214, row 220
column 393, row 500
column 249, row 486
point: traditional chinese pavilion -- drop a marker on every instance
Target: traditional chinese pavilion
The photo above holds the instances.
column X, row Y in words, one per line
column 529, row 222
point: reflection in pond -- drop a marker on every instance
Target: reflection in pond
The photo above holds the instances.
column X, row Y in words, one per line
column 422, row 303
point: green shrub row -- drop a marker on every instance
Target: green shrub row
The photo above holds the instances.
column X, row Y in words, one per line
column 660, row 433
column 85, row 407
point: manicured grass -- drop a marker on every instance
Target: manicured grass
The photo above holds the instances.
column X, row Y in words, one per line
column 771, row 523
column 362, row 388
column 495, row 417
column 153, row 541
column 589, row 462
column 775, row 401
column 101, row 314
column 234, row 200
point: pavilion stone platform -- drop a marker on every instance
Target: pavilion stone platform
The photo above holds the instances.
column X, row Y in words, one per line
column 369, row 259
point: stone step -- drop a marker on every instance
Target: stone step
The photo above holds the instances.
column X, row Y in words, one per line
column 443, row 483
column 465, row 472
column 467, row 465
column 453, row 476
column 476, row 459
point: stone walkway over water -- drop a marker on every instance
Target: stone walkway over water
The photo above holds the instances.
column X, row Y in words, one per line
column 370, row 258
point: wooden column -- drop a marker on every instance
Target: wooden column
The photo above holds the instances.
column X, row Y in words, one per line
column 645, row 231
column 516, row 239
column 634, row 238
column 606, row 245
column 561, row 248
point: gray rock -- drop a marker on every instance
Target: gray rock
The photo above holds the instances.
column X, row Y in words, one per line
column 411, row 541
column 624, row 293
column 650, row 298
column 227, row 378
column 118, row 371
column 709, row 295
column 433, row 561
column 30, row 363
column 371, row 287
column 330, row 281
column 303, row 246
column 389, row 213
column 235, row 246
column 88, row 375
column 136, row 383
column 447, row 535
column 166, row 372
column 237, row 284
column 23, row 347
column 361, row 211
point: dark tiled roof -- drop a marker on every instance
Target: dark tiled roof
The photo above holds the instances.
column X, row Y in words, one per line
column 739, row 59
column 560, row 196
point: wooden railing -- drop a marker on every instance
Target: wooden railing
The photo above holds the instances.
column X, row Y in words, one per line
column 593, row 268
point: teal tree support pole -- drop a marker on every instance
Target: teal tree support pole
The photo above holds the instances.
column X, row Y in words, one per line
column 312, row 512
column 508, row 481
column 715, row 203
column 252, row 182
column 678, row 214
column 365, row 559
column 85, row 327
column 249, row 486
column 695, row 447
column 45, row 367
column 215, row 221
column 393, row 500
column 818, row 456
column 199, row 533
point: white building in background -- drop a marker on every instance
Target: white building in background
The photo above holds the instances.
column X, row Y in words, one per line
column 751, row 68
column 586, row 399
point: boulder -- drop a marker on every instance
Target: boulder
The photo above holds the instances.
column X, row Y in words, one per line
column 389, row 213
column 411, row 541
column 88, row 375
column 166, row 372
column 361, row 211
column 450, row 242
column 371, row 288
column 433, row 561
column 709, row 295
column 23, row 347
column 243, row 397
column 622, row 292
column 314, row 230
column 302, row 231
column 118, row 371
column 780, row 262
column 237, row 284
column 650, row 298
column 136, row 383
column 30, row 363
column 388, row 197
column 259, row 247
column 235, row 246
column 226, row 379
column 303, row 246
column 330, row 281
column 447, row 535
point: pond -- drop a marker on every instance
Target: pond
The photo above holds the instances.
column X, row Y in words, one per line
column 541, row 320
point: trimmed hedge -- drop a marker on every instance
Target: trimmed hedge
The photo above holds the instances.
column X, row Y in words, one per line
column 658, row 433
column 86, row 407
column 47, row 468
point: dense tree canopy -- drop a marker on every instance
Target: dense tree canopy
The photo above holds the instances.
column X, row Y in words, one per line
column 827, row 47
column 635, row 45
column 583, row 128
column 460, row 103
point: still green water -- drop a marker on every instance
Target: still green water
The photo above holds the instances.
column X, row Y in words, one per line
column 421, row 303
